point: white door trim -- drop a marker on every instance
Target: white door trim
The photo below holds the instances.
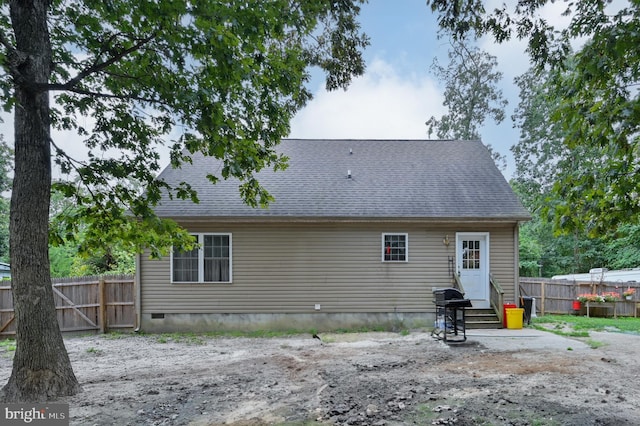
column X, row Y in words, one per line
column 483, row 301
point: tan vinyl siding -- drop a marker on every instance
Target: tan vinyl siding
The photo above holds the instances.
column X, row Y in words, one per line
column 290, row 268
column 502, row 261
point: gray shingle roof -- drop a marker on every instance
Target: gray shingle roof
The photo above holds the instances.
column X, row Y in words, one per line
column 390, row 179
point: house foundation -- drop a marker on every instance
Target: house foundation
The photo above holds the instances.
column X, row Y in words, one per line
column 316, row 322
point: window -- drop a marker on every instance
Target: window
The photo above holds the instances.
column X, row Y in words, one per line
column 394, row 248
column 470, row 254
column 210, row 263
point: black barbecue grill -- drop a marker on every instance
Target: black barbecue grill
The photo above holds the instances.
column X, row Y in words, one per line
column 450, row 314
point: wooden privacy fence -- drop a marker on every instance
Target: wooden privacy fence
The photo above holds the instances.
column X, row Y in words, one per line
column 83, row 304
column 557, row 296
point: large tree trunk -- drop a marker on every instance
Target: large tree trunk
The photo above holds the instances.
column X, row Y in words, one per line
column 41, row 367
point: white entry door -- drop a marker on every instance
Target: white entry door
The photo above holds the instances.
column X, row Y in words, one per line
column 472, row 254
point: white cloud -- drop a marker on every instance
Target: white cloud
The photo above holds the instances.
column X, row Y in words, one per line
column 381, row 104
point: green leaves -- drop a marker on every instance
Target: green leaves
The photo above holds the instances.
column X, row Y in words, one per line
column 471, row 94
column 594, row 103
column 219, row 78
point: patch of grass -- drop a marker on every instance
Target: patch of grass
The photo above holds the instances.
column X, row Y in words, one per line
column 328, row 339
column 581, row 326
column 189, row 338
column 200, row 338
column 93, row 350
column 429, row 413
column 594, row 344
column 8, row 345
column 363, row 329
column 302, row 423
column 424, row 414
column 114, row 335
column 544, row 422
column 560, row 332
column 267, row 333
column 580, row 323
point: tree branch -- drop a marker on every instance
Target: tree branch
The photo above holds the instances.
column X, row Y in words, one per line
column 14, row 59
column 63, row 87
column 98, row 67
column 70, row 85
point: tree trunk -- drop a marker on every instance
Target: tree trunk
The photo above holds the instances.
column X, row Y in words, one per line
column 41, row 367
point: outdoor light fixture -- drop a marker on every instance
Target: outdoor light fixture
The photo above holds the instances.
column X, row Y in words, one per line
column 445, row 240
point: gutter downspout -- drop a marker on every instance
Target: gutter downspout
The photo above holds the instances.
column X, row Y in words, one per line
column 138, row 294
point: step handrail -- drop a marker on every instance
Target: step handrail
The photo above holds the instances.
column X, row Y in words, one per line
column 457, row 283
column 496, row 297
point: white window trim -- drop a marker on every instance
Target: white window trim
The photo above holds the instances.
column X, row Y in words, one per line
column 406, row 249
column 200, row 236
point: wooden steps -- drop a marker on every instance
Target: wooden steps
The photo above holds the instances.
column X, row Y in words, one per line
column 482, row 319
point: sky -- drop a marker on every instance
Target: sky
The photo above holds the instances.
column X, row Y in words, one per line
column 398, row 92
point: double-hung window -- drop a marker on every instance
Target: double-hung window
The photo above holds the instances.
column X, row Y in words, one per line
column 395, row 248
column 210, row 262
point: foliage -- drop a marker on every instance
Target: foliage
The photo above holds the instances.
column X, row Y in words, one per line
column 471, row 95
column 73, row 256
column 543, row 251
column 241, row 71
column 599, row 104
column 623, row 248
column 542, row 159
column 530, row 253
column 4, row 229
column 61, row 258
column 6, row 168
column 540, row 147
column 8, row 345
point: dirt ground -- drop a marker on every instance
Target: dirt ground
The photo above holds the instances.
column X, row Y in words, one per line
column 359, row 379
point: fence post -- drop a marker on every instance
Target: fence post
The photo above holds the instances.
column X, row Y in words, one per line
column 542, row 297
column 102, row 308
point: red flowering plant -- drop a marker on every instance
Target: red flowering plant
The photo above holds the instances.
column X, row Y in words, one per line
column 629, row 292
column 590, row 297
column 610, row 296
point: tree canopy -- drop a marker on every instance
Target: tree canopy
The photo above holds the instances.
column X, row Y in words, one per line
column 471, row 94
column 542, row 159
column 221, row 78
column 596, row 85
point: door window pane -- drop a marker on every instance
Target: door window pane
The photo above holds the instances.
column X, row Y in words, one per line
column 470, row 254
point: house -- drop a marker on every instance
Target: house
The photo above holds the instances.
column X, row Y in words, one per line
column 360, row 233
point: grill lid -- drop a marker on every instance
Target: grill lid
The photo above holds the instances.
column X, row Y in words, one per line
column 447, row 294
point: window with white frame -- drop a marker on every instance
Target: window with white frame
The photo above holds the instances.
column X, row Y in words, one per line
column 209, row 263
column 395, row 248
